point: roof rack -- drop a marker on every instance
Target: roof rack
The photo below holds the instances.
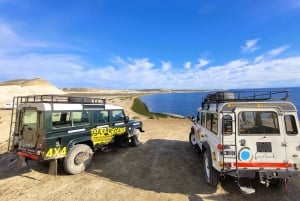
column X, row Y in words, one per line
column 59, row 99
column 246, row 96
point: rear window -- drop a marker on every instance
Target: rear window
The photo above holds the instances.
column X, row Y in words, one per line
column 30, row 117
column 258, row 122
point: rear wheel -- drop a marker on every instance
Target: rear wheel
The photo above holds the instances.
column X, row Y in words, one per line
column 78, row 159
column 277, row 182
column 211, row 175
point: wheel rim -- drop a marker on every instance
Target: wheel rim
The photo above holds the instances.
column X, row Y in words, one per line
column 207, row 170
column 193, row 139
column 81, row 157
column 136, row 139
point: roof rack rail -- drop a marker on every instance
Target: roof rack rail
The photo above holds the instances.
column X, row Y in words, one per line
column 246, row 96
column 59, row 99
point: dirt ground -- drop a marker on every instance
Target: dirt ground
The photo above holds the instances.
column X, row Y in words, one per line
column 163, row 167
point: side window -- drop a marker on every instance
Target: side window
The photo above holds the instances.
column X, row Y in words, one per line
column 203, row 119
column 208, row 121
column 61, row 119
column 101, row 116
column 290, row 125
column 118, row 115
column 214, row 126
column 212, row 122
column 69, row 119
column 80, row 118
column 198, row 117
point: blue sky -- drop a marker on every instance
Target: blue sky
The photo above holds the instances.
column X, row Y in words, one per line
column 136, row 44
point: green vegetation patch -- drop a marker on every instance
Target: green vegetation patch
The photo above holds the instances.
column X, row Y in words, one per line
column 141, row 108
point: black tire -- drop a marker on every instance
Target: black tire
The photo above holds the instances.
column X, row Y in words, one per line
column 211, row 175
column 134, row 141
column 78, row 159
column 123, row 141
column 193, row 143
column 278, row 183
column 192, row 139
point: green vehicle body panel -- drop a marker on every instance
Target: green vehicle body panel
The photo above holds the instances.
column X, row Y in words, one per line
column 50, row 141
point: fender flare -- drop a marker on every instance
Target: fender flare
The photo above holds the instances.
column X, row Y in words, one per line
column 206, row 146
column 81, row 140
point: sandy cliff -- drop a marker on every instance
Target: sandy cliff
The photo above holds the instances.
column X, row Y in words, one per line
column 23, row 87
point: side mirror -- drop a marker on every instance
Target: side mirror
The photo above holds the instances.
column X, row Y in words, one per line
column 193, row 119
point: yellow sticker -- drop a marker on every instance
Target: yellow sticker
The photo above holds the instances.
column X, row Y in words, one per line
column 105, row 135
column 56, row 152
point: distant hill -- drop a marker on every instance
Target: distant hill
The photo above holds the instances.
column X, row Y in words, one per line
column 26, row 82
column 25, row 87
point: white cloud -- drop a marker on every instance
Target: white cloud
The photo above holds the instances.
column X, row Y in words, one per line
column 277, row 51
column 271, row 54
column 139, row 64
column 250, row 46
column 70, row 70
column 166, row 65
column 259, row 58
column 187, row 65
column 66, row 70
column 201, row 63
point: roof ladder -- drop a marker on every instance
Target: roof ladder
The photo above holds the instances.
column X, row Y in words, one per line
column 11, row 139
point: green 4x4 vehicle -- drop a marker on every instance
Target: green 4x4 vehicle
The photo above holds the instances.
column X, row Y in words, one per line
column 70, row 129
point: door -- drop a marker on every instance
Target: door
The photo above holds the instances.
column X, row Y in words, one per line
column 199, row 126
column 259, row 139
column 29, row 127
column 292, row 138
column 118, row 118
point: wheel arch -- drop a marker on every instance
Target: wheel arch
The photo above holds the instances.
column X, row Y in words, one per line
column 82, row 140
column 192, row 129
column 206, row 147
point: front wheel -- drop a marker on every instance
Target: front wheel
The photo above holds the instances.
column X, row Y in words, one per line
column 211, row 175
column 78, row 159
column 134, row 140
column 192, row 139
column 123, row 141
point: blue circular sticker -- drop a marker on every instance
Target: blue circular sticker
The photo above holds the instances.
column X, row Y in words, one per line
column 245, row 154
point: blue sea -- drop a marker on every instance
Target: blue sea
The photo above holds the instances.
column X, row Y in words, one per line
column 186, row 103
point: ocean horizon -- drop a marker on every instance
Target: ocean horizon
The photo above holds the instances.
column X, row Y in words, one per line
column 185, row 104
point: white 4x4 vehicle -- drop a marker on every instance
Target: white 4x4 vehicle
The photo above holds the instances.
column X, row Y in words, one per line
column 250, row 134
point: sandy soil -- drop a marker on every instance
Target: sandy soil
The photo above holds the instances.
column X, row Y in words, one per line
column 163, row 167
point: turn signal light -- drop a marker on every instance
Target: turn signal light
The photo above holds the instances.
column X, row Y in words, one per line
column 220, row 147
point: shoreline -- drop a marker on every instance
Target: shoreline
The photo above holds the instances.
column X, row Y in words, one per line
column 143, row 109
